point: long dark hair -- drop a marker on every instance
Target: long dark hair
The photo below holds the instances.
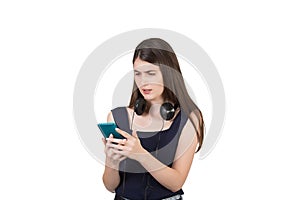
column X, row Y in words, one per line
column 159, row 52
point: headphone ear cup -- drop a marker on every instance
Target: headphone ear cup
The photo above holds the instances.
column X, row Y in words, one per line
column 139, row 106
column 167, row 111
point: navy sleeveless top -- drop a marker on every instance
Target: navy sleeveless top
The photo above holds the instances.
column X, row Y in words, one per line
column 135, row 182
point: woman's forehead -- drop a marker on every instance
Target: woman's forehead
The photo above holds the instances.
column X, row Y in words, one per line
column 144, row 65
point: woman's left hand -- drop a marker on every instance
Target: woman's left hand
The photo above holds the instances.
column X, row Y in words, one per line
column 130, row 147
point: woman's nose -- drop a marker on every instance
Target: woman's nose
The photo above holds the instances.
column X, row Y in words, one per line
column 145, row 80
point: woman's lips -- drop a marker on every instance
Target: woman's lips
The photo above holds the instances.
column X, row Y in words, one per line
column 146, row 91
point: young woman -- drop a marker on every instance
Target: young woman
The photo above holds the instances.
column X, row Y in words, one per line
column 162, row 125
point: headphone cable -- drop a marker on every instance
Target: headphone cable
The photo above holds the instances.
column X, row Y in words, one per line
column 132, row 120
column 124, row 172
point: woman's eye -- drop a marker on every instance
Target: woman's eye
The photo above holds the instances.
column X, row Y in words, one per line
column 137, row 73
column 151, row 73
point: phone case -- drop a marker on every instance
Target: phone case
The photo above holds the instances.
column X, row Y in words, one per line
column 109, row 128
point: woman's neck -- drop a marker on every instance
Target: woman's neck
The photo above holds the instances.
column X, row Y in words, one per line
column 154, row 111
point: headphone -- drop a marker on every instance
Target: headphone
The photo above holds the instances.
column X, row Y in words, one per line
column 167, row 110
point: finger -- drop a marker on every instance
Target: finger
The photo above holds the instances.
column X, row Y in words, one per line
column 116, row 146
column 123, row 133
column 109, row 153
column 116, row 140
column 118, row 152
column 119, row 147
column 104, row 141
column 119, row 157
column 108, row 140
column 116, row 156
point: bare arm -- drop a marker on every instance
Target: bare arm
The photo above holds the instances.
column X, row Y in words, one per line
column 174, row 178
column 111, row 177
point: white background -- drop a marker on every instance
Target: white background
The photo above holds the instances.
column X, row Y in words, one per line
column 254, row 45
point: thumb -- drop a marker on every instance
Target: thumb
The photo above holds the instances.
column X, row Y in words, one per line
column 104, row 141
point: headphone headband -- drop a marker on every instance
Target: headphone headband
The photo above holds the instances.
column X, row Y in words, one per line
column 167, row 110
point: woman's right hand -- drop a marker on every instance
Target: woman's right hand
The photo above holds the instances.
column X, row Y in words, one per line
column 112, row 159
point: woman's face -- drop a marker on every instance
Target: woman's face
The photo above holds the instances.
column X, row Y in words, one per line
column 149, row 80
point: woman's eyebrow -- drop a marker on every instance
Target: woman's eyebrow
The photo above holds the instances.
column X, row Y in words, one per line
column 151, row 70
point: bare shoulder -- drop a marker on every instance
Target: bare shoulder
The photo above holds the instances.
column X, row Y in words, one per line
column 110, row 117
column 196, row 118
column 187, row 143
column 129, row 110
column 188, row 137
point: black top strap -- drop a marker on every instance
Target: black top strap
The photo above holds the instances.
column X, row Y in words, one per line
column 121, row 118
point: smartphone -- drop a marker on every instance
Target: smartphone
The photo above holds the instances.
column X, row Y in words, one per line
column 109, row 128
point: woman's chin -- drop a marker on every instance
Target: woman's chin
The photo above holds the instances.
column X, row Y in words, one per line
column 148, row 98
